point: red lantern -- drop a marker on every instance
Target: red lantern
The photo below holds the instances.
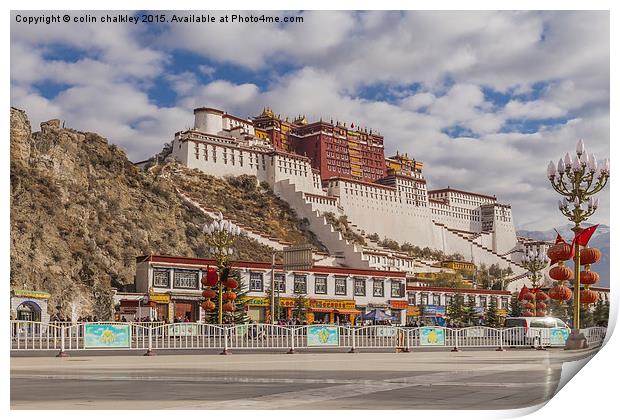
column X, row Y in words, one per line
column 559, row 252
column 231, row 284
column 211, row 278
column 541, row 313
column 560, row 292
column 228, row 307
column 207, row 305
column 528, row 305
column 561, row 273
column 588, row 297
column 589, row 277
column 527, row 313
column 528, row 296
column 541, row 305
column 590, row 256
column 540, row 295
column 208, row 293
column 229, row 296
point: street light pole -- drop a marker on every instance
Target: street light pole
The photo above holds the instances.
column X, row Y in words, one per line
column 578, row 181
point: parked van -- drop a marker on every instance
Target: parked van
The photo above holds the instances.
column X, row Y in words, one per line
column 531, row 330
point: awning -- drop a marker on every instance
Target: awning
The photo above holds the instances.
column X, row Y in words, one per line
column 348, row 311
column 322, row 309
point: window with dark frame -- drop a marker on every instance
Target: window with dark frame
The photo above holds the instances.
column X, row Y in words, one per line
column 377, row 288
column 256, row 282
column 299, row 284
column 320, row 285
column 280, row 282
column 360, row 287
column 161, row 277
column 185, row 279
column 341, row 286
column 395, row 288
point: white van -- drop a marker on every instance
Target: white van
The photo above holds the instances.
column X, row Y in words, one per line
column 530, row 330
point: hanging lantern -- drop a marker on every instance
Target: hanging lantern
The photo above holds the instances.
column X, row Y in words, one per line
column 229, row 296
column 210, row 279
column 561, row 273
column 540, row 313
column 528, row 305
column 540, row 295
column 208, row 293
column 588, row 297
column 590, row 256
column 528, row 296
column 559, row 252
column 208, row 305
column 541, row 305
column 228, row 307
column 527, row 313
column 231, row 284
column 589, row 277
column 560, row 293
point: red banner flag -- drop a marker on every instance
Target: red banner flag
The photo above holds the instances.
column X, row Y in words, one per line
column 559, row 239
column 583, row 237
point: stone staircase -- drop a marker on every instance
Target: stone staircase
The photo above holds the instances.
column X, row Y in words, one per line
column 471, row 238
column 346, row 253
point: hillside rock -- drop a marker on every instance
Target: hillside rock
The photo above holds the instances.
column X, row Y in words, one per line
column 81, row 213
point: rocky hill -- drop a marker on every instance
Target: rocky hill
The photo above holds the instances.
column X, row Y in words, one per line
column 81, row 212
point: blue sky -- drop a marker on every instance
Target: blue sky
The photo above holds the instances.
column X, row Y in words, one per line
column 484, row 99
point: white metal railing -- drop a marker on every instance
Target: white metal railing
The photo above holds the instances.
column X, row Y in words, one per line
column 28, row 335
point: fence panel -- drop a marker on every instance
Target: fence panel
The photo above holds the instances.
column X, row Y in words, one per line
column 595, row 335
column 188, row 335
column 432, row 337
column 30, row 335
column 479, row 337
column 379, row 336
column 259, row 336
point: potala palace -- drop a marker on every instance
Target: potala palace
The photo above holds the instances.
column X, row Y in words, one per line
column 336, row 167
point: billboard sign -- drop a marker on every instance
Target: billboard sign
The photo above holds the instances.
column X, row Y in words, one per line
column 107, row 336
column 321, row 336
column 430, row 336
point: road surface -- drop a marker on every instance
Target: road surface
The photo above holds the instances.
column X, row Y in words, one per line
column 415, row 380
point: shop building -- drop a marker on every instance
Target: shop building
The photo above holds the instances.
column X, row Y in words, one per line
column 171, row 286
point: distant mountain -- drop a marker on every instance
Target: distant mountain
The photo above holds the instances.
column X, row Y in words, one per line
column 599, row 240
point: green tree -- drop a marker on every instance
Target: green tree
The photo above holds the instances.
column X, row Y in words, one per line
column 239, row 316
column 515, row 305
column 586, row 316
column 455, row 309
column 469, row 312
column 491, row 316
column 299, row 306
column 451, row 280
column 601, row 313
column 558, row 310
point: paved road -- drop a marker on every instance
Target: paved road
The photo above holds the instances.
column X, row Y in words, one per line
column 416, row 380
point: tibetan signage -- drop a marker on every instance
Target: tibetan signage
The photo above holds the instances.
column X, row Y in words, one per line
column 430, row 336
column 106, row 336
column 434, row 310
column 558, row 336
column 413, row 310
column 256, row 301
column 159, row 297
column 31, row 294
column 399, row 304
column 322, row 336
column 183, row 330
column 332, row 304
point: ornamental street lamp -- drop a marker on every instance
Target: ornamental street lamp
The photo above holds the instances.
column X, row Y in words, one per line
column 578, row 180
column 534, row 263
column 221, row 235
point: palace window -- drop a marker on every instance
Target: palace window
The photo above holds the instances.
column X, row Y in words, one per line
column 185, row 279
column 436, row 300
column 280, row 282
column 483, row 301
column 161, row 277
column 256, row 282
column 424, row 299
column 377, row 288
column 411, row 298
column 299, row 284
column 396, row 289
column 320, row 285
column 341, row 285
column 448, row 299
column 360, row 287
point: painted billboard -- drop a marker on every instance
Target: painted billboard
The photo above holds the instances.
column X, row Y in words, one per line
column 107, row 336
column 320, row 336
column 558, row 336
column 430, row 336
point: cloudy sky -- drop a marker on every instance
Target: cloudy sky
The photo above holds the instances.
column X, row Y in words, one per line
column 484, row 99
